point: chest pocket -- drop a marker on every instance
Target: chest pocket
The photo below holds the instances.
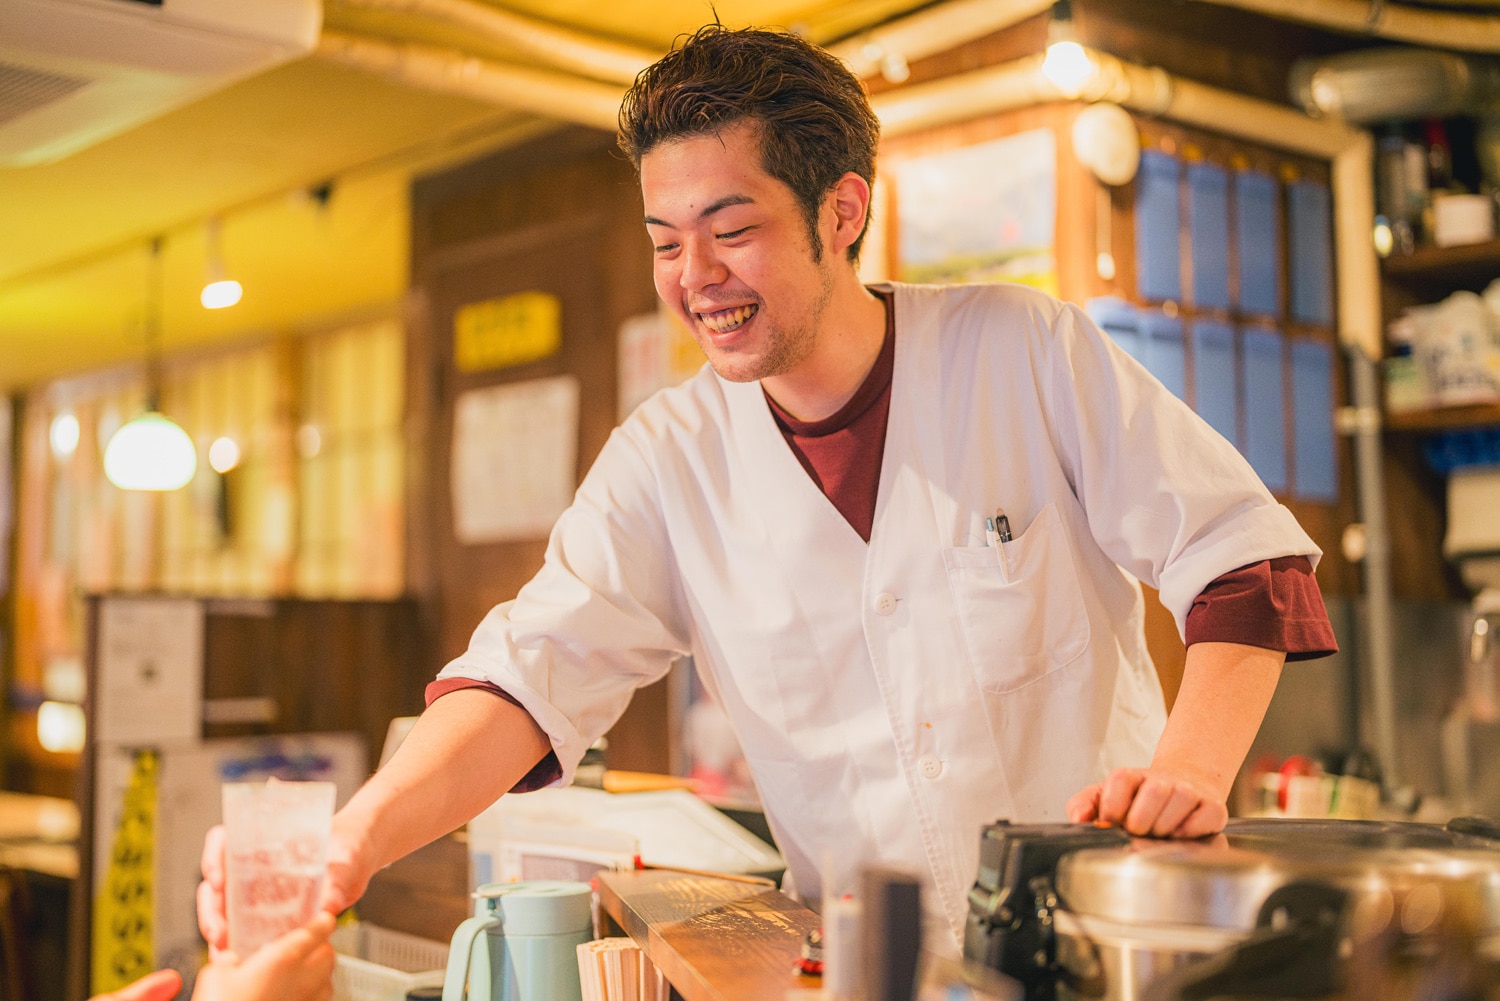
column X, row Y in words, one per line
column 1019, row 605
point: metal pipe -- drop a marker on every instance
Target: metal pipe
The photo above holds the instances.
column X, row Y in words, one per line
column 1365, row 388
column 587, row 55
column 1373, row 86
column 872, row 52
column 1400, row 22
column 554, row 95
column 884, row 50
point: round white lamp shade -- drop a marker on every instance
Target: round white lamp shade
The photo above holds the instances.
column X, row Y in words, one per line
column 150, row 453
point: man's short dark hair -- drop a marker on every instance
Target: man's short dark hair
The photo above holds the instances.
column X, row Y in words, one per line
column 812, row 114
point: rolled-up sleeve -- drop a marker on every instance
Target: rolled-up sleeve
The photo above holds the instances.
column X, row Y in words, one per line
column 603, row 617
column 1167, row 497
column 1273, row 604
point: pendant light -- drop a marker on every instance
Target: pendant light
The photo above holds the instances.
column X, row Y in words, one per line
column 1067, row 64
column 220, row 290
column 151, row 452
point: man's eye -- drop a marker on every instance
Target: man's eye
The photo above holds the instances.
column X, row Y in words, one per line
column 665, row 248
column 735, row 233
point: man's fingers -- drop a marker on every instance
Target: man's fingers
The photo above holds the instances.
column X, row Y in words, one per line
column 300, row 963
column 322, row 961
column 1118, row 793
column 1084, row 806
column 1150, row 797
column 1181, row 801
column 1208, row 818
column 212, row 924
column 295, row 946
column 212, row 862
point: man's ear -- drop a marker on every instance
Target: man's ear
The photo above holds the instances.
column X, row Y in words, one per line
column 850, row 201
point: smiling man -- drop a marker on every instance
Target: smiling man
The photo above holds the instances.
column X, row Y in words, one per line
column 898, row 529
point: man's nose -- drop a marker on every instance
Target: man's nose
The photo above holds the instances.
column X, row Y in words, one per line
column 701, row 266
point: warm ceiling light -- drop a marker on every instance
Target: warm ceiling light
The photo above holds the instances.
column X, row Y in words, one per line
column 219, row 294
column 63, row 435
column 1067, row 64
column 220, row 290
column 224, row 454
column 150, row 452
column 60, row 727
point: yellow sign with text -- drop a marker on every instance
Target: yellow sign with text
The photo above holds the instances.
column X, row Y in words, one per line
column 511, row 330
column 123, row 949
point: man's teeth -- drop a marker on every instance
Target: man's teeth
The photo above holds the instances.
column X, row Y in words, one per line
column 726, row 320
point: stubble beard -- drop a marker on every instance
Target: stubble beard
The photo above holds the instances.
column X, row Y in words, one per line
column 785, row 347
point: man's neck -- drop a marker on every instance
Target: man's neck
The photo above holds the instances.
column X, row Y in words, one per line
column 854, row 330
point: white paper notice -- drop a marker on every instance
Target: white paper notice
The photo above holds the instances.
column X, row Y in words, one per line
column 515, row 456
column 150, row 671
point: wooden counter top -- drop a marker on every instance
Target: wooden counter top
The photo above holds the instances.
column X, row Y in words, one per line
column 713, row 939
column 724, row 940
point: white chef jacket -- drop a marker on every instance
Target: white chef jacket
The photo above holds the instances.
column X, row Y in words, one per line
column 893, row 697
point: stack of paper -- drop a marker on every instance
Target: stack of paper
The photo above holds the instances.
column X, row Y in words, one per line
column 615, row 969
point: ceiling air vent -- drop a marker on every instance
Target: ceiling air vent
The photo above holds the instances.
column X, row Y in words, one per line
column 73, row 72
column 24, row 90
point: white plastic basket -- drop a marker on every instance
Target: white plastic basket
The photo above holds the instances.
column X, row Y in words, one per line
column 377, row 964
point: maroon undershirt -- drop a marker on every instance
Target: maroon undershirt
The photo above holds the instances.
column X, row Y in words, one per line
column 1274, row 604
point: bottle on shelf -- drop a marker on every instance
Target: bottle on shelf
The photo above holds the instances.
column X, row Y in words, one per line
column 1401, row 187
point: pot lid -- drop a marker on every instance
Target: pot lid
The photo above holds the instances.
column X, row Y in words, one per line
column 1412, row 872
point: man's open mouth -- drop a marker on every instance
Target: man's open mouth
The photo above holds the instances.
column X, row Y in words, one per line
column 722, row 321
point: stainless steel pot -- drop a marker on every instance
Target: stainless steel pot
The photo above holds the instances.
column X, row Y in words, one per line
column 1268, row 909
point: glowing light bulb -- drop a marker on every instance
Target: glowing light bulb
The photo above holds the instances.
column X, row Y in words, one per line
column 150, row 453
column 60, row 727
column 220, row 294
column 223, row 454
column 1069, row 66
column 63, row 435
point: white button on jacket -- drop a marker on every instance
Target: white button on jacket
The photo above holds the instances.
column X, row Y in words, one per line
column 1020, row 670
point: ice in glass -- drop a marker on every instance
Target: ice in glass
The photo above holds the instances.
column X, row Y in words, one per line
column 275, row 854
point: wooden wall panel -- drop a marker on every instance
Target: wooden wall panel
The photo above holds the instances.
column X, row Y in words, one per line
column 562, row 215
column 329, row 665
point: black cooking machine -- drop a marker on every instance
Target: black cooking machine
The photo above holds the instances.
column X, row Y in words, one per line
column 1268, row 909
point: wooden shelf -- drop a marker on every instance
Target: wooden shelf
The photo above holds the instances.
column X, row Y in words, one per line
column 1426, row 276
column 1445, row 419
column 1470, row 266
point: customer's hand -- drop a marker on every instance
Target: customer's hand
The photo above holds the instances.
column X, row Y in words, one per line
column 345, row 883
column 1151, row 802
column 298, row 966
column 162, row 985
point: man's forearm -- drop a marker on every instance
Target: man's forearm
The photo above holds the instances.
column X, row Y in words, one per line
column 465, row 751
column 1226, row 688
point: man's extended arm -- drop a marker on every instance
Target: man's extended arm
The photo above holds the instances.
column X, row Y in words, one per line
column 1226, row 688
column 465, row 751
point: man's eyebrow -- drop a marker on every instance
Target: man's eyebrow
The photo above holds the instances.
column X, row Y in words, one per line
column 722, row 203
